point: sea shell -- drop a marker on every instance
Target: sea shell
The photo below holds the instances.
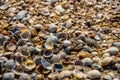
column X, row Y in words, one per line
column 24, row 76
column 1, row 66
column 87, row 61
column 59, row 8
column 38, row 69
column 47, row 53
column 46, row 64
column 18, row 69
column 37, row 60
column 10, row 46
column 112, row 50
column 31, row 50
column 62, row 35
column 58, row 67
column 65, row 74
column 29, row 65
column 8, row 76
column 40, row 77
column 25, row 35
column 45, row 71
column 66, row 43
column 79, row 65
column 83, row 54
column 21, row 14
column 52, row 38
column 94, row 74
column 10, row 64
column 49, row 45
column 106, row 61
column 79, row 75
column 53, row 76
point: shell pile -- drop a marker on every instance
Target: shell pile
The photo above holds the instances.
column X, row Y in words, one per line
column 59, row 39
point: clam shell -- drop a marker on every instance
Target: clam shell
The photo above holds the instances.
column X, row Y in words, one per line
column 94, row 74
column 46, row 64
column 11, row 46
column 18, row 69
column 40, row 77
column 106, row 61
column 53, row 76
column 58, row 67
column 65, row 74
column 24, row 76
column 87, row 61
column 29, row 65
column 25, row 35
column 49, row 45
column 47, row 53
column 10, row 64
column 83, row 54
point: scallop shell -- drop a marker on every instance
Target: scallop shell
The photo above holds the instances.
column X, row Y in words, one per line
column 29, row 65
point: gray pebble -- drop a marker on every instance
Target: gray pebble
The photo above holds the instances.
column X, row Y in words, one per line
column 21, row 14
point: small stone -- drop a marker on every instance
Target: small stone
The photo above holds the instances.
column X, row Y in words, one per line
column 94, row 74
column 106, row 61
column 21, row 14
column 106, row 55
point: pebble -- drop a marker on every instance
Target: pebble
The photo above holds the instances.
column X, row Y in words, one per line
column 21, row 14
